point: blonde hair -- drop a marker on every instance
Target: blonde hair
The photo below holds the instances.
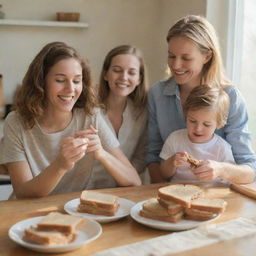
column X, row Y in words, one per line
column 139, row 95
column 213, row 98
column 31, row 96
column 201, row 32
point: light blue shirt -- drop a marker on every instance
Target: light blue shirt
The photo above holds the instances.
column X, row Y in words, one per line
column 166, row 115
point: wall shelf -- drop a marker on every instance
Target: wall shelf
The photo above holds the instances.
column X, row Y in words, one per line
column 40, row 23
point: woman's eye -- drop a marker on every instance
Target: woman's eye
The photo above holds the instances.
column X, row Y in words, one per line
column 77, row 81
column 171, row 56
column 187, row 59
column 117, row 70
column 60, row 81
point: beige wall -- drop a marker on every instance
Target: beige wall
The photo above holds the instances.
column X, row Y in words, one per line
column 143, row 23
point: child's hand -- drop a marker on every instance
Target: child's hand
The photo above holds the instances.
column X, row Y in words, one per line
column 207, row 170
column 179, row 159
column 94, row 143
column 71, row 150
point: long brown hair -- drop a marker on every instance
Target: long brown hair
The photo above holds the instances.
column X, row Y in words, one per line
column 31, row 97
column 139, row 95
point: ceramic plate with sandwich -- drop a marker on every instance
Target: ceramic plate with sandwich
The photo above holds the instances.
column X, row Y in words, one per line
column 177, row 207
column 101, row 207
column 55, row 232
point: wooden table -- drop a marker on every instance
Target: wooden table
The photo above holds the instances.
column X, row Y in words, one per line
column 123, row 231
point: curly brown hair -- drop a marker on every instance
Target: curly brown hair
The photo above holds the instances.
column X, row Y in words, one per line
column 30, row 99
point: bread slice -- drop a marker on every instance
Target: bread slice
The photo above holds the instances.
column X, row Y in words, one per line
column 194, row 214
column 171, row 206
column 192, row 161
column 97, row 210
column 153, row 210
column 208, row 204
column 64, row 223
column 32, row 234
column 180, row 193
column 102, row 200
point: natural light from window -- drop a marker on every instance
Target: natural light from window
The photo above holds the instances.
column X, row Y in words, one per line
column 248, row 72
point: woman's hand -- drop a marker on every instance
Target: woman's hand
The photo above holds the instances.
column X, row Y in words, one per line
column 72, row 149
column 207, row 170
column 94, row 143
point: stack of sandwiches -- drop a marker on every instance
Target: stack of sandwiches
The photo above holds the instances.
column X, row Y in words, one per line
column 98, row 203
column 54, row 229
column 179, row 201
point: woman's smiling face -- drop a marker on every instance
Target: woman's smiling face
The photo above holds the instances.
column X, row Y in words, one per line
column 63, row 85
column 186, row 61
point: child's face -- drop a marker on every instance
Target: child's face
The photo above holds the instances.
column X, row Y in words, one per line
column 64, row 85
column 123, row 75
column 201, row 124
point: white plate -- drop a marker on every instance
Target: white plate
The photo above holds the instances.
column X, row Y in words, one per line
column 157, row 224
column 87, row 233
column 123, row 210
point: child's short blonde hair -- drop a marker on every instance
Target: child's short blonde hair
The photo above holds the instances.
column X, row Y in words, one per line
column 214, row 98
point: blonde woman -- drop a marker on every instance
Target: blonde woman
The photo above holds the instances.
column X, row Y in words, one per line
column 52, row 138
column 194, row 59
column 123, row 94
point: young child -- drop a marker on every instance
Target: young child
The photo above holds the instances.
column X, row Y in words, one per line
column 206, row 109
column 56, row 132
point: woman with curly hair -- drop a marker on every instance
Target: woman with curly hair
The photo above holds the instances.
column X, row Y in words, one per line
column 55, row 133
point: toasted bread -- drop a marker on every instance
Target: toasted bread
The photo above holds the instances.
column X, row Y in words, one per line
column 87, row 208
column 97, row 199
column 192, row 161
column 208, row 204
column 32, row 234
column 194, row 214
column 180, row 193
column 64, row 223
column 153, row 210
column 171, row 206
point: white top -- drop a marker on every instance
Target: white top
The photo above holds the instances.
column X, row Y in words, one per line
column 132, row 139
column 39, row 148
column 216, row 149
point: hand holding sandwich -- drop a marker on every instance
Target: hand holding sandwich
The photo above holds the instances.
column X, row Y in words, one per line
column 115, row 162
column 94, row 143
column 170, row 165
column 72, row 149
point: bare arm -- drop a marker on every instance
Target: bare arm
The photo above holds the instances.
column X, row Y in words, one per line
column 25, row 185
column 115, row 162
column 234, row 173
column 119, row 167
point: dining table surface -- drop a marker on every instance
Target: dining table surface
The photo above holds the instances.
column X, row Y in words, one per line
column 125, row 231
